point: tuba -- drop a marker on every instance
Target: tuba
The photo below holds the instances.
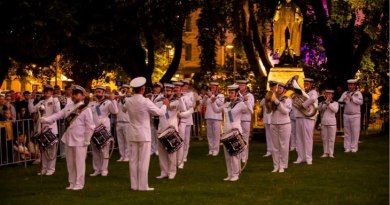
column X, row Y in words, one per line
column 299, row 97
column 269, row 100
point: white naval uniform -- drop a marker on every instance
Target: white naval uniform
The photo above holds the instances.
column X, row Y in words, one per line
column 305, row 130
column 62, row 126
column 352, row 120
column 168, row 162
column 293, row 138
column 183, row 127
column 280, row 133
column 246, row 124
column 232, row 162
column 100, row 157
column 139, row 109
column 52, row 106
column 189, row 122
column 328, row 125
column 78, row 132
column 267, row 123
column 122, row 120
column 213, row 123
column 153, row 129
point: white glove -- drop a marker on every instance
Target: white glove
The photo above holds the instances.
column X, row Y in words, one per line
column 44, row 120
column 87, row 138
column 276, row 101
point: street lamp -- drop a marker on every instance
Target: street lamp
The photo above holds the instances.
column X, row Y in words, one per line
column 234, row 62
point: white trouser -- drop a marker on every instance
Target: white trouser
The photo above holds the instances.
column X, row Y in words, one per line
column 180, row 152
column 139, row 164
column 49, row 165
column 213, row 134
column 268, row 137
column 293, row 139
column 328, row 133
column 75, row 161
column 121, row 133
column 154, row 143
column 232, row 164
column 100, row 158
column 167, row 161
column 280, row 139
column 351, row 131
column 187, row 141
column 304, row 132
column 246, row 129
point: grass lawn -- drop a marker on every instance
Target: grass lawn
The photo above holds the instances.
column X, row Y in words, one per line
column 351, row 178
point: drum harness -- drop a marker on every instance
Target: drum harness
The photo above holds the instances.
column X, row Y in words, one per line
column 112, row 143
column 230, row 108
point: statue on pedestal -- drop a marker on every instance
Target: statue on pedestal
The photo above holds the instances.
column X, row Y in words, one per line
column 287, row 31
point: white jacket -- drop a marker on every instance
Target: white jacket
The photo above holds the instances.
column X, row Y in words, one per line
column 210, row 114
column 81, row 128
column 352, row 107
column 281, row 115
column 139, row 109
column 236, row 113
column 52, row 106
column 106, row 108
column 266, row 113
column 328, row 113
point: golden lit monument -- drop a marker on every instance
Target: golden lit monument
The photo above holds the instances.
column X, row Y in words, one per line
column 287, row 31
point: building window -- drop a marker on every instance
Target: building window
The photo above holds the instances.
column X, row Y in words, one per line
column 188, row 24
column 23, row 86
column 188, row 52
column 9, row 83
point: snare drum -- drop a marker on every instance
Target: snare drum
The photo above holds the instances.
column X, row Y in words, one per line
column 49, row 139
column 101, row 137
column 234, row 142
column 171, row 140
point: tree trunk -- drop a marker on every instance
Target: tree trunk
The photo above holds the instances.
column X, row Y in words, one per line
column 247, row 41
column 174, row 66
column 257, row 41
column 4, row 67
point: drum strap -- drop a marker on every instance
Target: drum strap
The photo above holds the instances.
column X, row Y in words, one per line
column 72, row 116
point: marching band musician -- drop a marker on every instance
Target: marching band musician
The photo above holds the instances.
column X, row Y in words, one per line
column 45, row 108
column 101, row 109
column 267, row 119
column 328, row 108
column 213, row 119
column 352, row 99
column 233, row 111
column 122, row 126
column 189, row 120
column 79, row 130
column 175, row 111
column 182, row 119
column 139, row 109
column 246, row 117
column 281, row 130
column 157, row 95
column 305, row 126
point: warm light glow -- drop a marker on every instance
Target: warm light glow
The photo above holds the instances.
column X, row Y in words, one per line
column 229, row 46
column 177, row 75
column 262, row 68
column 33, row 65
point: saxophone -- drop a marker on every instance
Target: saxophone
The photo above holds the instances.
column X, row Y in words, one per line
column 299, row 97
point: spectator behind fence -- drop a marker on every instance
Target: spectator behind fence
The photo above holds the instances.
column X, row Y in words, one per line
column 10, row 106
column 3, row 107
column 22, row 109
column 7, row 131
column 20, row 148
